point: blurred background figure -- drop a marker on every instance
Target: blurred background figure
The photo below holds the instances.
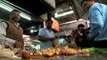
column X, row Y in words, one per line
column 81, row 36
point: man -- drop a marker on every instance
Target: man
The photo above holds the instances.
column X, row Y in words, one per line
column 46, row 35
column 98, row 22
column 10, row 31
column 81, row 38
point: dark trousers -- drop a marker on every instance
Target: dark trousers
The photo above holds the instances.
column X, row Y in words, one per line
column 83, row 43
column 99, row 44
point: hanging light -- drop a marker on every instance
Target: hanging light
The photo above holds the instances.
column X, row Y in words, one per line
column 63, row 14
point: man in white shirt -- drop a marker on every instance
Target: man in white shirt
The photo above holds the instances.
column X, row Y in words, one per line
column 46, row 35
column 11, row 32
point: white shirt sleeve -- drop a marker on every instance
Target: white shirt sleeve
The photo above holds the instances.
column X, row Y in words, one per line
column 3, row 39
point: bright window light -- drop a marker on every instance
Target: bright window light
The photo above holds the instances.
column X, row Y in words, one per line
column 25, row 16
column 69, row 22
column 63, row 14
column 5, row 7
column 31, row 31
column 80, row 20
column 8, row 8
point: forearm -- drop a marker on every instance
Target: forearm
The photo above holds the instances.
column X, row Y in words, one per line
column 42, row 38
column 6, row 41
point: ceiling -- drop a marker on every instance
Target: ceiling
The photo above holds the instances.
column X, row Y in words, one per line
column 59, row 2
column 37, row 7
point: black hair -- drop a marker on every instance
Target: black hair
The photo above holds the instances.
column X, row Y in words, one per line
column 15, row 11
column 49, row 21
column 83, row 1
column 81, row 25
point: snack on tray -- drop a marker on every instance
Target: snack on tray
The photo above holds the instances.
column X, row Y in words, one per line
column 37, row 53
column 62, row 51
column 69, row 51
column 26, row 54
column 48, row 52
column 58, row 50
